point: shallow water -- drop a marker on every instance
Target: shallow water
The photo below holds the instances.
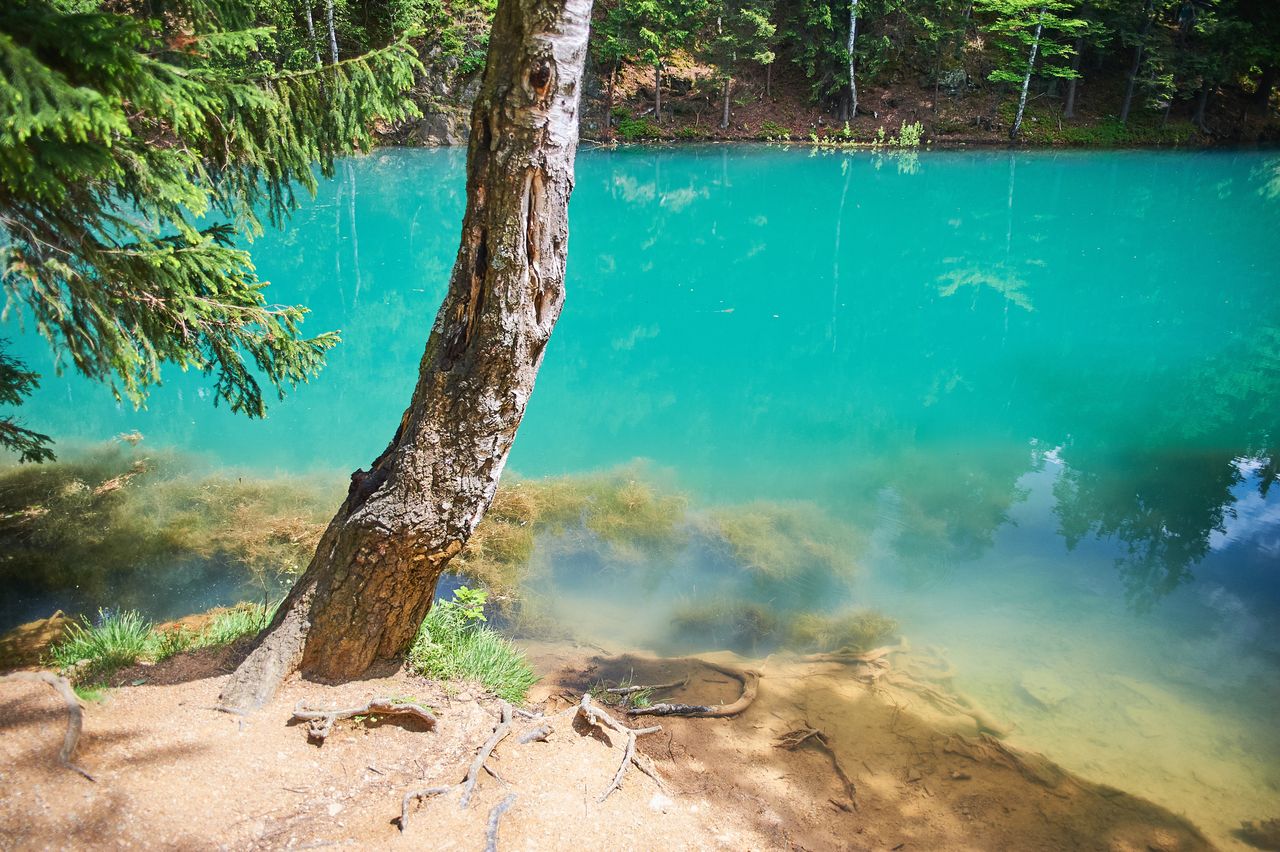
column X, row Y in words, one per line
column 1039, row 391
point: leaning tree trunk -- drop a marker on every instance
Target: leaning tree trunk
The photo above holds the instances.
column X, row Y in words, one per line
column 853, row 40
column 372, row 579
column 1026, row 81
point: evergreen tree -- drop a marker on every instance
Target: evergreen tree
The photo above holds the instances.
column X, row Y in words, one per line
column 741, row 30
column 121, row 138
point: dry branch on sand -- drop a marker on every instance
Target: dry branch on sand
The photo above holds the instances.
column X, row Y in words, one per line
column 749, row 678
column 320, row 722
column 792, row 740
column 75, row 719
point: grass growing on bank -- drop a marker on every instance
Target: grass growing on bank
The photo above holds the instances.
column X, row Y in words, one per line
column 454, row 643
column 97, row 649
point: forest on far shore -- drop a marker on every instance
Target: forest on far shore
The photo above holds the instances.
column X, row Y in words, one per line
column 1046, row 72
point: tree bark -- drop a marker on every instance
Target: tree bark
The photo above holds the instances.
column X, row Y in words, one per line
column 1026, row 81
column 1069, row 111
column 724, row 116
column 768, row 80
column 373, row 576
column 1136, row 65
column 853, row 40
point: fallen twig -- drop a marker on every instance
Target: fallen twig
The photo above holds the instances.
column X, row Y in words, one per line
column 321, row 721
column 792, row 740
column 749, row 678
column 491, row 834
column 75, row 718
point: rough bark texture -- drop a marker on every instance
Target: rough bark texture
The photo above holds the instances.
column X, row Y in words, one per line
column 373, row 576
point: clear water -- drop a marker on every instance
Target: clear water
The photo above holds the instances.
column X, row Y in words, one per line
column 1043, row 388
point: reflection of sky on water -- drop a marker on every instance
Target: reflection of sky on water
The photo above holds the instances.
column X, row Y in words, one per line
column 1255, row 521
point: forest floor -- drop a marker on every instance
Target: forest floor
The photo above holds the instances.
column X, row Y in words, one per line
column 171, row 771
column 973, row 114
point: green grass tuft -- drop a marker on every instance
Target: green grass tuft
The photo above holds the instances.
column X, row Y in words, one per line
column 454, row 644
column 115, row 640
column 246, row 619
column 119, row 639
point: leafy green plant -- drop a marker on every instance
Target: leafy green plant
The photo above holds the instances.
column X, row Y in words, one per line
column 455, row 644
column 112, row 641
column 773, row 131
column 635, row 129
column 909, row 136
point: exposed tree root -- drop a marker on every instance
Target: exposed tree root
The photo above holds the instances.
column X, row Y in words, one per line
column 412, row 796
column 749, row 678
column 75, row 719
column 321, row 721
column 953, row 702
column 491, row 834
column 473, row 774
column 988, row 749
column 600, row 719
column 870, row 667
column 792, row 740
column 634, row 688
column 468, row 783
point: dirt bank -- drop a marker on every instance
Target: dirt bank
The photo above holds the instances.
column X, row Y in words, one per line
column 173, row 772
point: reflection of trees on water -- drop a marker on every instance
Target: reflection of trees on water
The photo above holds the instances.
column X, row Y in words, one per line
column 977, row 323
column 1163, row 505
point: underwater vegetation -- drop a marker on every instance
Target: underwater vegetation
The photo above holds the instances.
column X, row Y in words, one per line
column 732, row 576
column 619, row 512
column 88, row 520
column 850, row 630
column 733, row 623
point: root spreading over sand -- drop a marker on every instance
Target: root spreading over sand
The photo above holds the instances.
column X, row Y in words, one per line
column 923, row 778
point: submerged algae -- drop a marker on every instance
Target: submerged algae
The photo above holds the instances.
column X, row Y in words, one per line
column 88, row 521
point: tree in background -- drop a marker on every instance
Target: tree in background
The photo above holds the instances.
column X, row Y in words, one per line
column 122, row 138
column 1027, row 31
column 650, row 32
column 741, row 29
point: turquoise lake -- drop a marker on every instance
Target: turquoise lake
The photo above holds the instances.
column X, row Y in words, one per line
column 1041, row 391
